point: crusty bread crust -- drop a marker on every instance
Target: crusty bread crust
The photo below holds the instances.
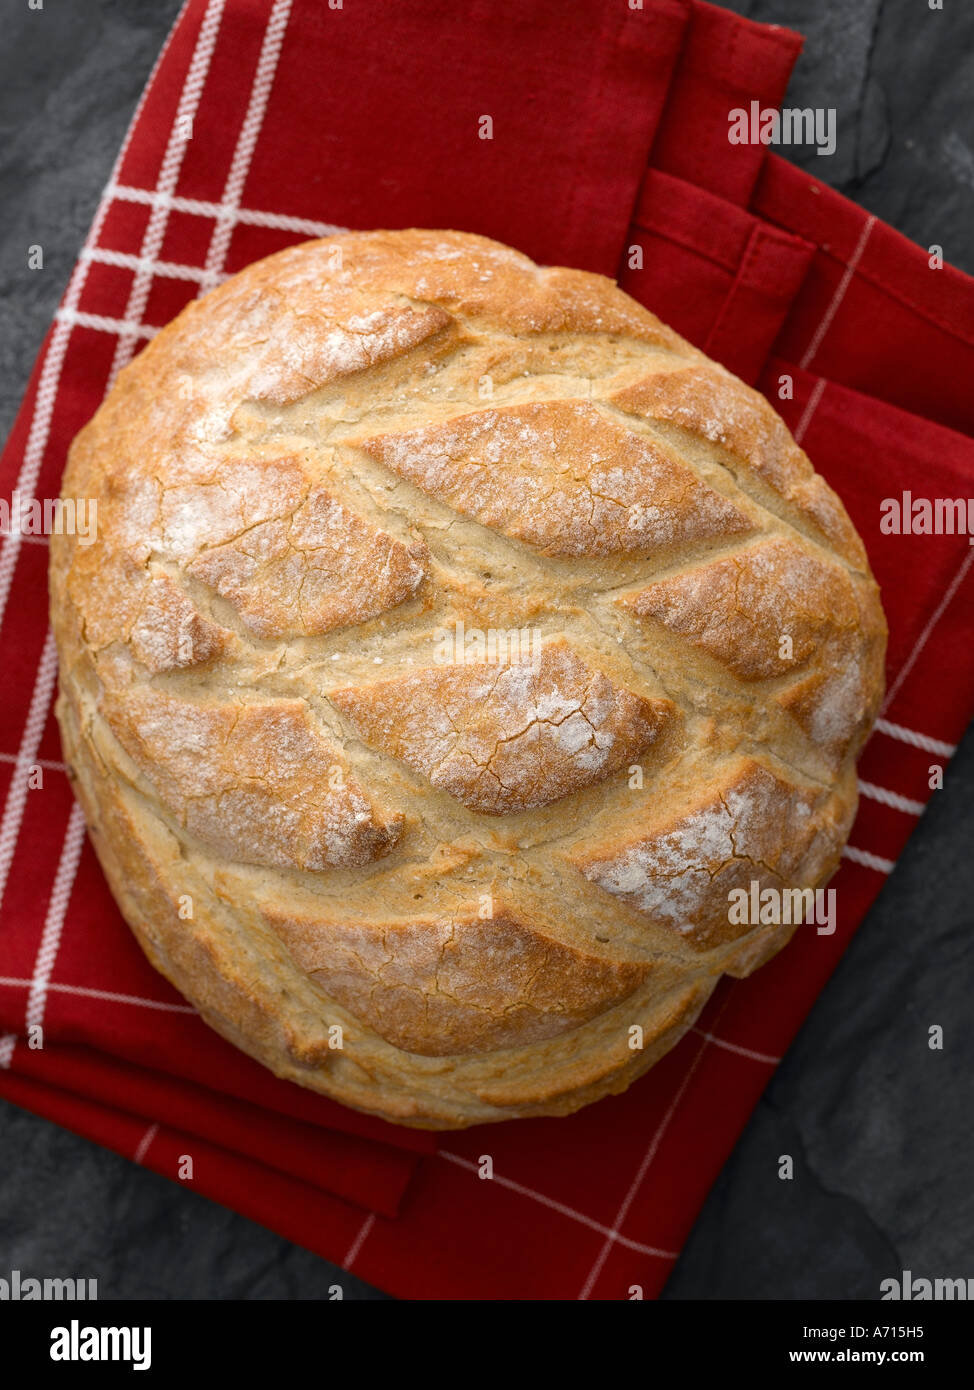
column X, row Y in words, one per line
column 482, row 876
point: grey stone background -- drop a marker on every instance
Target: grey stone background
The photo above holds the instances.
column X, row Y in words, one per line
column 879, row 1126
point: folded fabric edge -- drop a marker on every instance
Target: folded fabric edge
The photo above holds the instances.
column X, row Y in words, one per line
column 317, row 1221
column 789, row 197
column 371, row 1175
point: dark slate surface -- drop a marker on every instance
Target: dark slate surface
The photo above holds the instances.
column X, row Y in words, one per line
column 879, row 1126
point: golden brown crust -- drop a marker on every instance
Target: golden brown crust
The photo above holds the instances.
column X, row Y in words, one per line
column 253, row 782
column 678, row 864
column 301, row 573
column 563, row 477
column 764, row 611
column 705, row 402
column 506, row 737
column 499, row 881
column 440, row 987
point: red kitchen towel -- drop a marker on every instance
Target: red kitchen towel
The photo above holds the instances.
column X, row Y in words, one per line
column 297, row 124
column 713, row 271
column 370, row 1174
column 305, row 1214
column 875, row 312
column 725, row 64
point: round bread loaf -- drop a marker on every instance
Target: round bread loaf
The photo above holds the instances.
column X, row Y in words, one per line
column 457, row 644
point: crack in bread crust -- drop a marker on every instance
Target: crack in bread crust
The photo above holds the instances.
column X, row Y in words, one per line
column 485, row 871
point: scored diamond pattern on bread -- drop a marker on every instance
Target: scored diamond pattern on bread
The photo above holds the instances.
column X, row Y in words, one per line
column 484, row 876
